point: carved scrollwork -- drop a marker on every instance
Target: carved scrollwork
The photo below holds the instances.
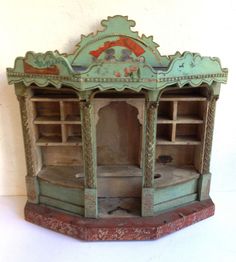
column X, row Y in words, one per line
column 149, row 161
column 209, row 135
column 88, row 144
column 26, row 134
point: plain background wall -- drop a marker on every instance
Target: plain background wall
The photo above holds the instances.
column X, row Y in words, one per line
column 203, row 26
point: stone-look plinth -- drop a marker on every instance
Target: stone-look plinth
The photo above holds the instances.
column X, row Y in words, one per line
column 135, row 228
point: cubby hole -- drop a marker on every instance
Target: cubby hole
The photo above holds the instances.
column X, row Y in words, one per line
column 71, row 111
column 164, row 132
column 188, row 132
column 49, row 133
column 47, row 111
column 190, row 110
column 165, row 110
column 73, row 133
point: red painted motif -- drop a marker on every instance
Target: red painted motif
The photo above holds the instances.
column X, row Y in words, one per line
column 129, row 70
column 52, row 70
column 117, row 74
column 122, row 41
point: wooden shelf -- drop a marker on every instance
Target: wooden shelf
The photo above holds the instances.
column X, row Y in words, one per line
column 184, row 140
column 164, row 120
column 57, row 141
column 173, row 175
column 73, row 176
column 188, row 120
column 182, row 98
column 48, row 140
column 57, row 121
column 180, row 120
column 44, row 120
column 47, row 120
column 74, row 140
column 52, row 99
column 67, row 176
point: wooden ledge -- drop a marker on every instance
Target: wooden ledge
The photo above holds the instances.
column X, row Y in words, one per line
column 135, row 228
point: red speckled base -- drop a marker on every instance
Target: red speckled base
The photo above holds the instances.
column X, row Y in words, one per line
column 135, row 228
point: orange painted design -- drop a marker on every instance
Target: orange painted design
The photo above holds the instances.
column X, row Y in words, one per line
column 122, row 41
column 52, row 70
column 117, row 74
column 129, row 70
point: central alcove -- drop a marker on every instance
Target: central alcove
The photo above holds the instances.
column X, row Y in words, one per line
column 119, row 147
column 118, row 135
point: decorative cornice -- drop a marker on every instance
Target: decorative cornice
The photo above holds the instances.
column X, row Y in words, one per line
column 150, row 71
column 192, row 69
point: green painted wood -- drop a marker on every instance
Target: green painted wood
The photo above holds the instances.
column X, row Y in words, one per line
column 176, row 191
column 116, row 58
column 204, row 186
column 147, row 202
column 70, row 195
column 90, row 203
column 32, row 189
column 117, row 28
column 175, row 202
column 61, row 205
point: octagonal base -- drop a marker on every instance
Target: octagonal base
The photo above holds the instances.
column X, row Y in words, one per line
column 133, row 228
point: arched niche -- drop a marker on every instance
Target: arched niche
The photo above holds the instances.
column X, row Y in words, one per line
column 118, row 132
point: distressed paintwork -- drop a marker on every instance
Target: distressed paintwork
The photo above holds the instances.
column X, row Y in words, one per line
column 137, row 228
column 86, row 70
column 116, row 58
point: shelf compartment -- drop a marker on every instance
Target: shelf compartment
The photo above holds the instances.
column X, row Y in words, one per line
column 165, row 111
column 48, row 111
column 71, row 111
column 73, row 134
column 188, row 133
column 49, row 141
column 190, row 109
column 164, row 132
column 48, row 134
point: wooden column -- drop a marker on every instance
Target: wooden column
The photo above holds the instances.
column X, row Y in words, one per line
column 89, row 157
column 23, row 95
column 149, row 156
column 205, row 179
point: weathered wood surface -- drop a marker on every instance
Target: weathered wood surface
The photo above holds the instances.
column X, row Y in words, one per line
column 163, row 124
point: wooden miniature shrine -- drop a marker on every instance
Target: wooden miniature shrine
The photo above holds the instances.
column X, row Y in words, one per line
column 117, row 137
